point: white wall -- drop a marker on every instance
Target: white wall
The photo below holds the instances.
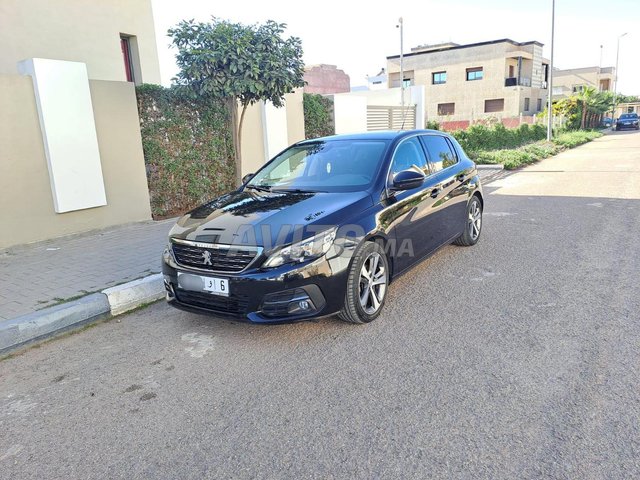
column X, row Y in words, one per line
column 350, row 109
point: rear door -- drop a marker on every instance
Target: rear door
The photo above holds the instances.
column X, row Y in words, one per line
column 449, row 208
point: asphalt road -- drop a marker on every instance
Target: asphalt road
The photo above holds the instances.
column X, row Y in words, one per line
column 516, row 358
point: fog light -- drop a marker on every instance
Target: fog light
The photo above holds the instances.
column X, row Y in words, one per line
column 301, row 306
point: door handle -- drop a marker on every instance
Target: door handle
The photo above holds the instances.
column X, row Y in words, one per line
column 435, row 192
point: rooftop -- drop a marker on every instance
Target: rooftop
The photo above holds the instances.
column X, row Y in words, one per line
column 421, row 50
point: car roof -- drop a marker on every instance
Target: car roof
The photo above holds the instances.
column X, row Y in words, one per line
column 376, row 135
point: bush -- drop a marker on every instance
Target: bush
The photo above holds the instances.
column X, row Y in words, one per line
column 480, row 137
column 318, row 116
column 533, row 152
column 432, row 125
column 574, row 138
column 188, row 149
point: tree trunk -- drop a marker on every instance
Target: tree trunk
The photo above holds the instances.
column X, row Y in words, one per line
column 584, row 114
column 244, row 110
column 232, row 106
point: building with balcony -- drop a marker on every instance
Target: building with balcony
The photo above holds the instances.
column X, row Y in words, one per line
column 573, row 80
column 498, row 78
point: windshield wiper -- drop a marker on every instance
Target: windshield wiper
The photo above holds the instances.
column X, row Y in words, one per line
column 297, row 190
column 260, row 188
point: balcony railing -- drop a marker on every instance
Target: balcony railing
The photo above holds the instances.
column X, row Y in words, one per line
column 514, row 81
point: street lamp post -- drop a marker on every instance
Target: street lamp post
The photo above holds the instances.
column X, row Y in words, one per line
column 400, row 25
column 550, row 85
column 615, row 81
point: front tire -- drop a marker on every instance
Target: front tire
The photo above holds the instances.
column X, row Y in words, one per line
column 473, row 224
column 367, row 285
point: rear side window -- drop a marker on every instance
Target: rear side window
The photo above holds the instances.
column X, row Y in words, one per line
column 441, row 155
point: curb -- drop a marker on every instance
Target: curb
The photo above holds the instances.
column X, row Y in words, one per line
column 130, row 295
column 32, row 327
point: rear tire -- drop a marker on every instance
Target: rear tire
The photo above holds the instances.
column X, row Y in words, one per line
column 367, row 285
column 473, row 224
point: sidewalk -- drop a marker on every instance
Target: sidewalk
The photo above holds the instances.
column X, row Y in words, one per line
column 48, row 273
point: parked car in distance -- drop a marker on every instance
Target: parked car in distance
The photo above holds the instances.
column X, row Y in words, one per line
column 606, row 122
column 627, row 120
column 324, row 228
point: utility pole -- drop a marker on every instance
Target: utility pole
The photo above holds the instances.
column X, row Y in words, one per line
column 400, row 25
column 600, row 71
column 550, row 85
column 615, row 82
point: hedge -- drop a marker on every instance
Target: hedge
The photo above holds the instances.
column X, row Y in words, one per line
column 533, row 152
column 318, row 116
column 188, row 149
column 479, row 137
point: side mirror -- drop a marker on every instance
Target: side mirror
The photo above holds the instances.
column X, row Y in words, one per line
column 247, row 177
column 408, row 179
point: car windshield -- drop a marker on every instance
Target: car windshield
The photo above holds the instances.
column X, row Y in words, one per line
column 323, row 166
column 628, row 116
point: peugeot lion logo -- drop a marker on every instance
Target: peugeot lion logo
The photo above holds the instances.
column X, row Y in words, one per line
column 206, row 257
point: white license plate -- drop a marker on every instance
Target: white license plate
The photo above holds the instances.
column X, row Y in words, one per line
column 198, row 283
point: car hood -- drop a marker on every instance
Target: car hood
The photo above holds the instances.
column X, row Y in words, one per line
column 267, row 219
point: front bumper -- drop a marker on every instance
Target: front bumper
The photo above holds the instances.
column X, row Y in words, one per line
column 265, row 296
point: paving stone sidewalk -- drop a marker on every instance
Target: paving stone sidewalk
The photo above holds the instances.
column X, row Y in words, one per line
column 39, row 275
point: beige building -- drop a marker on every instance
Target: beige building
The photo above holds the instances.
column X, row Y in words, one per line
column 499, row 78
column 570, row 81
column 71, row 155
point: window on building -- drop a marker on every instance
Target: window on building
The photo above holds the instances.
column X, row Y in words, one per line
column 475, row 73
column 494, row 105
column 125, row 45
column 539, row 105
column 406, row 82
column 438, row 78
column 441, row 154
column 512, row 71
column 577, row 88
column 446, row 108
column 526, row 104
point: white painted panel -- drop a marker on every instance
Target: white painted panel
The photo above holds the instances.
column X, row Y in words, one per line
column 68, row 131
column 276, row 136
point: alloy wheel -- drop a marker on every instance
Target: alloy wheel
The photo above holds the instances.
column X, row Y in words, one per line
column 373, row 283
column 475, row 220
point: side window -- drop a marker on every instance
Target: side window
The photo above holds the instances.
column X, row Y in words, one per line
column 408, row 154
column 441, row 155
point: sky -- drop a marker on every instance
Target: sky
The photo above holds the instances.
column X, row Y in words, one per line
column 357, row 36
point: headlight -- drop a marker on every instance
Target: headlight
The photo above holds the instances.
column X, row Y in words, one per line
column 308, row 249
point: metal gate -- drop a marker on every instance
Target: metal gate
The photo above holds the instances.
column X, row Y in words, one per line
column 391, row 118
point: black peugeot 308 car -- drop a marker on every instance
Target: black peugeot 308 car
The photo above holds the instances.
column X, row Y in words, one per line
column 324, row 227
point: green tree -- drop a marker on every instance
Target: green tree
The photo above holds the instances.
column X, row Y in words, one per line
column 237, row 63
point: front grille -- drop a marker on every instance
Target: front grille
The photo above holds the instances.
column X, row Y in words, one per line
column 231, row 305
column 230, row 260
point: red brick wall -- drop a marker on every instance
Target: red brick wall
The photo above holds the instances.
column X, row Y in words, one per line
column 326, row 79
